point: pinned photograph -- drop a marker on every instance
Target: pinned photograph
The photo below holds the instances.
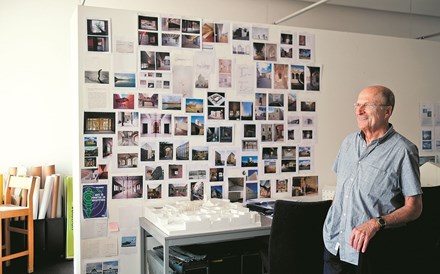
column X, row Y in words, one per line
column 178, row 190
column 127, row 187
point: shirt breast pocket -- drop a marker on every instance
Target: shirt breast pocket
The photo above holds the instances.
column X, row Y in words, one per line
column 376, row 182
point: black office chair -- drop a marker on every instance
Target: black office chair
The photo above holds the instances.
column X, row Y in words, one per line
column 295, row 244
column 414, row 248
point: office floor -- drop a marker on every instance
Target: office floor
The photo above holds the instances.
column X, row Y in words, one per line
column 19, row 266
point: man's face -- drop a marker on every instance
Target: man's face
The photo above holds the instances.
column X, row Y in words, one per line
column 371, row 114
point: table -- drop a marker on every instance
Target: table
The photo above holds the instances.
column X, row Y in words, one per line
column 150, row 229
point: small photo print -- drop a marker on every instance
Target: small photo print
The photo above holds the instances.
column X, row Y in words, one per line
column 286, row 38
column 264, row 188
column 216, row 99
column 269, row 153
column 128, row 241
column 200, row 153
column 107, row 147
column 127, row 187
column 226, row 134
column 195, row 173
column 166, row 151
column 194, row 105
column 249, row 145
column 154, row 173
column 123, row 101
column 304, row 164
column 281, row 185
column 264, row 75
column 125, row 80
column 171, row 102
column 175, row 171
column 148, row 38
column 171, row 39
column 96, row 43
column 197, row 125
column 252, row 175
column 304, row 151
column 267, row 132
column 276, row 99
column 128, row 138
column 260, row 113
column 234, row 110
column 97, row 27
column 313, row 78
column 110, row 267
column 128, row 119
column 304, row 54
column 127, row 160
column 308, row 106
column 90, row 141
column 291, row 101
column 249, row 161
column 191, row 41
column 216, row 174
column 148, row 23
column 251, row 191
column 178, row 190
column 182, row 151
column 171, row 24
column 249, row 130
column 240, row 32
column 216, row 113
column 146, row 100
column 217, row 192
column 196, row 191
column 180, row 126
column 96, row 77
column 213, row 134
column 260, row 99
column 297, row 77
column 99, row 123
column 208, row 32
column 191, row 26
column 270, row 166
column 260, row 33
column 246, row 111
column 154, row 191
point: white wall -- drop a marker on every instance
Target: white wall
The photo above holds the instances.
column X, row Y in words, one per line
column 36, row 111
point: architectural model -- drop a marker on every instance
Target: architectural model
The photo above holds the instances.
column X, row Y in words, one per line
column 201, row 216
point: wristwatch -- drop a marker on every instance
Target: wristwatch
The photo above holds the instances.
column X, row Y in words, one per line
column 381, row 221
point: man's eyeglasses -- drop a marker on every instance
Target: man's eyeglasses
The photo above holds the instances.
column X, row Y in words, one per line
column 368, row 105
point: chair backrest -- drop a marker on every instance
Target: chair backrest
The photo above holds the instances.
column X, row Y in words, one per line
column 296, row 245
column 26, row 184
column 413, row 248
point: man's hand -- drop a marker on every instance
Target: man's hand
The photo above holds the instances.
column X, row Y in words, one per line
column 361, row 235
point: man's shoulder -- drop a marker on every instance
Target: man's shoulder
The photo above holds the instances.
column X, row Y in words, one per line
column 403, row 142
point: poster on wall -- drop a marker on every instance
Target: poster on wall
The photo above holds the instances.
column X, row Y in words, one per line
column 94, row 199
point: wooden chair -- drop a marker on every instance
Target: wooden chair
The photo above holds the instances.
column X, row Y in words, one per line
column 19, row 207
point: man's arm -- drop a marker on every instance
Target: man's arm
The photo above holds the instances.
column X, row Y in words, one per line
column 362, row 234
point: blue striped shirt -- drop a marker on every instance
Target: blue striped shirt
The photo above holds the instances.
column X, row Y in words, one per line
column 372, row 181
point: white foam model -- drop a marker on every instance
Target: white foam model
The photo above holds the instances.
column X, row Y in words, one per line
column 185, row 217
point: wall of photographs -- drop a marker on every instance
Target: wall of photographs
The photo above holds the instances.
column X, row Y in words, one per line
column 176, row 108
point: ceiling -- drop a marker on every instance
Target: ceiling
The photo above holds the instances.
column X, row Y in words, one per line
column 419, row 7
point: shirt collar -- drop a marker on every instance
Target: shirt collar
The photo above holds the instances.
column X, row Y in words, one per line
column 382, row 139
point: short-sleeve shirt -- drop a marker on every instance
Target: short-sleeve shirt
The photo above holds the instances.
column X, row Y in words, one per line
column 372, row 181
